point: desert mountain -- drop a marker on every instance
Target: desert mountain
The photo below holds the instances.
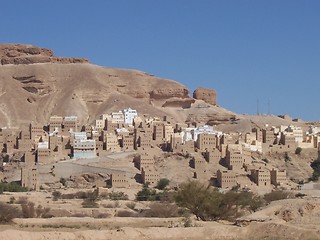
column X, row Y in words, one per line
column 34, row 84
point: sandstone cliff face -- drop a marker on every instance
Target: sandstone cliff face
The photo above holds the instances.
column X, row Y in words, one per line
column 207, row 95
column 28, row 54
column 72, row 86
column 164, row 93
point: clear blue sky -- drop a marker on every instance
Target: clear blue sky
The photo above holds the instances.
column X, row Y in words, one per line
column 246, row 50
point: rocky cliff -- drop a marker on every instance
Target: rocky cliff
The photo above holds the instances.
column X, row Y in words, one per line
column 207, row 95
column 28, row 54
column 35, row 84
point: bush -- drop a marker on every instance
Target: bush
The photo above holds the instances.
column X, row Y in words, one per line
column 298, row 150
column 89, row 204
column 8, row 212
column 187, row 222
column 77, row 195
column 79, row 215
column 163, row 183
column 165, row 196
column 28, row 210
column 300, row 195
column 287, row 158
column 22, row 200
column 118, row 196
column 109, row 205
column 42, row 212
column 276, row 195
column 131, row 205
column 103, row 215
column 124, row 213
column 316, row 169
column 63, row 181
column 12, row 200
column 146, row 194
column 162, row 210
column 11, row 187
column 56, row 195
column 90, row 200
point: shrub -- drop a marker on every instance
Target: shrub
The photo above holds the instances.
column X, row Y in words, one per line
column 77, row 195
column 316, row 169
column 56, row 195
column 12, row 200
column 11, row 187
column 298, row 150
column 118, row 196
column 104, row 195
column 287, row 158
column 63, row 181
column 146, row 194
column 162, row 210
column 300, row 195
column 163, row 183
column 22, row 200
column 79, row 215
column 112, row 205
column 28, row 210
column 90, row 200
column 124, row 213
column 131, row 205
column 187, row 222
column 42, row 212
column 8, row 212
column 89, row 204
column 276, row 195
column 103, row 215
column 109, row 205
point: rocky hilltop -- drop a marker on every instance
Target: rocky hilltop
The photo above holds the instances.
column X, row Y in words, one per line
column 207, row 95
column 28, row 54
column 35, row 84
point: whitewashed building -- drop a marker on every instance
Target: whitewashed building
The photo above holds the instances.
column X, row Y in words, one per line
column 83, row 147
column 129, row 114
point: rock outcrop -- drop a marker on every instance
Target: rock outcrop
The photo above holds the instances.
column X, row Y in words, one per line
column 165, row 93
column 179, row 103
column 28, row 54
column 30, row 91
column 207, row 95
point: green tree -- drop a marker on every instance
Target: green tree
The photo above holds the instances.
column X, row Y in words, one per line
column 146, row 194
column 316, row 169
column 298, row 151
column 163, row 183
column 207, row 203
column 203, row 201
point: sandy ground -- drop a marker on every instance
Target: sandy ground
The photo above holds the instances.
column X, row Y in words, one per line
column 284, row 219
